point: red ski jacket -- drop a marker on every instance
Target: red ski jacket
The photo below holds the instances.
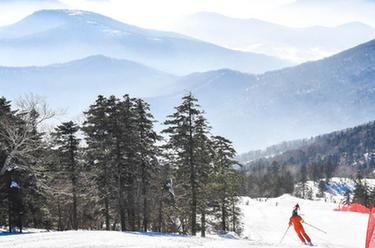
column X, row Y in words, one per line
column 296, row 220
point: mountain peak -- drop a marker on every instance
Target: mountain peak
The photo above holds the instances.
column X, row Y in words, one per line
column 71, row 12
column 52, row 18
column 50, row 33
column 48, row 19
column 66, row 14
column 101, row 60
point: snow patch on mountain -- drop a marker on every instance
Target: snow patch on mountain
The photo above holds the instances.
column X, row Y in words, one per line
column 75, row 12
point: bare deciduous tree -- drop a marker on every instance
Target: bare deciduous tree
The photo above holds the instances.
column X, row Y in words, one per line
column 21, row 131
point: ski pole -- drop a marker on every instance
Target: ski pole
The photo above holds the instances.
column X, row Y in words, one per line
column 316, row 228
column 284, row 235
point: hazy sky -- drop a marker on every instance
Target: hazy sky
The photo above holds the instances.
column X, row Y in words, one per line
column 161, row 14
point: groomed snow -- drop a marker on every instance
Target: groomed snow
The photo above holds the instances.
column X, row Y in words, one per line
column 264, row 225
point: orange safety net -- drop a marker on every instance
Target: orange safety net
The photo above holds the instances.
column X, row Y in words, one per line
column 355, row 207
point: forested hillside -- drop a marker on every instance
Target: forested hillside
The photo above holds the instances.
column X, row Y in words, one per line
column 347, row 153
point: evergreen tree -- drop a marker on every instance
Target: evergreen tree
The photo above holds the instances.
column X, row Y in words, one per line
column 287, row 181
column 275, row 178
column 126, row 151
column 98, row 138
column 361, row 191
column 347, row 200
column 116, row 130
column 302, row 189
column 227, row 182
column 68, row 144
column 147, row 152
column 183, row 126
column 203, row 154
column 322, row 188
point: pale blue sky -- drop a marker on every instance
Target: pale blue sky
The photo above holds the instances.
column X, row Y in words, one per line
column 161, row 14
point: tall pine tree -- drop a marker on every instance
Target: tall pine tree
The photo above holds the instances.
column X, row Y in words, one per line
column 183, row 125
column 68, row 144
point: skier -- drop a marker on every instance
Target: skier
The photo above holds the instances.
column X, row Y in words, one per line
column 297, row 221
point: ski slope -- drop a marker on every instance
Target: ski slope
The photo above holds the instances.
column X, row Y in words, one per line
column 264, row 223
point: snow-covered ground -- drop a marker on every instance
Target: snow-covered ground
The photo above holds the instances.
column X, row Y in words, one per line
column 264, row 223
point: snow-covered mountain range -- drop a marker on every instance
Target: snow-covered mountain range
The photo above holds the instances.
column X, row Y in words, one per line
column 56, row 36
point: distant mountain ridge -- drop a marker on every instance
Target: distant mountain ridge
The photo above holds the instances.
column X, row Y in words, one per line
column 271, row 151
column 58, row 36
column 292, row 103
column 346, row 151
column 297, row 44
column 75, row 84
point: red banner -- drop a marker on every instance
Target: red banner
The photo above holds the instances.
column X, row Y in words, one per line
column 370, row 237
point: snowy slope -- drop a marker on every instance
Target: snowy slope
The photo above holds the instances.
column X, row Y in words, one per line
column 263, row 222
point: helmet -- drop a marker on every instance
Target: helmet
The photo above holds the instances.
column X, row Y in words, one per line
column 295, row 212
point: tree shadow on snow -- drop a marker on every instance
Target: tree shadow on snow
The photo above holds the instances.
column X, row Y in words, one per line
column 12, row 234
column 158, row 234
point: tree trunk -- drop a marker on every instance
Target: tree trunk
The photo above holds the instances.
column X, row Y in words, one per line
column 145, row 202
column 59, row 225
column 203, row 223
column 10, row 213
column 75, row 218
column 131, row 203
column 234, row 215
column 74, row 182
column 20, row 222
column 160, row 212
column 193, row 206
column 107, row 217
column 192, row 178
column 120, row 189
column 106, row 200
column 138, row 213
column 121, row 202
column 223, row 216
